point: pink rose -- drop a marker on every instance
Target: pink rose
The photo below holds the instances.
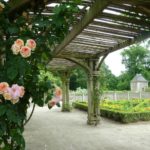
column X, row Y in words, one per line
column 17, row 91
column 15, row 49
column 25, row 51
column 3, row 87
column 14, row 92
column 22, row 91
column 7, row 96
column 14, row 101
column 19, row 43
column 31, row 43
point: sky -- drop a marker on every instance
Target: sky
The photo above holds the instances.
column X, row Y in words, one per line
column 113, row 61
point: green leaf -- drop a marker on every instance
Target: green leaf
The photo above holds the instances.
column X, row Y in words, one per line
column 12, row 115
column 12, row 73
column 3, row 110
column 3, row 127
column 18, row 137
column 13, row 30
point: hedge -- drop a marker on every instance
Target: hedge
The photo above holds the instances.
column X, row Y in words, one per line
column 124, row 117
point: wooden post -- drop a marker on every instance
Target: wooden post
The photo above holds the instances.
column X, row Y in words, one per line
column 96, row 97
column 90, row 100
column 93, row 97
column 115, row 95
column 128, row 95
column 82, row 97
column 65, row 91
column 140, row 95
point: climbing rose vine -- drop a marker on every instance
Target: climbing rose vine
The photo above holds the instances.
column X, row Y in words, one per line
column 25, row 51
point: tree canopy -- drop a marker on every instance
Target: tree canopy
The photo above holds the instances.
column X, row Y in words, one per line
column 136, row 60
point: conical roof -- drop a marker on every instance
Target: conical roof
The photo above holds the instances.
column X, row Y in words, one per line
column 139, row 78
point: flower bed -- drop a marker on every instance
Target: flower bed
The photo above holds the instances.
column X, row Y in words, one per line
column 124, row 111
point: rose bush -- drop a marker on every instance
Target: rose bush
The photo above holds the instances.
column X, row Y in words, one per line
column 25, row 50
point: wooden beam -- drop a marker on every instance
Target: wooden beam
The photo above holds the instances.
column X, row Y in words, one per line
column 80, row 63
column 141, row 37
column 96, row 39
column 83, row 44
column 93, row 12
column 77, row 55
column 92, row 44
column 114, row 26
column 132, row 2
column 145, row 10
column 101, row 62
column 107, row 33
column 16, row 4
column 110, row 30
column 118, row 38
column 143, row 23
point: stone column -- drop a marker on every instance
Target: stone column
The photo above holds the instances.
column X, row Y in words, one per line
column 65, row 91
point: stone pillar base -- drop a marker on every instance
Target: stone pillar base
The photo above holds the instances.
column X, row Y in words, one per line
column 93, row 120
column 66, row 108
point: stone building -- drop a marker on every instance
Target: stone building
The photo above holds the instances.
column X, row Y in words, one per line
column 138, row 83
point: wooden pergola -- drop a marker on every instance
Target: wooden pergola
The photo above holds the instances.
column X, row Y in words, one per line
column 104, row 26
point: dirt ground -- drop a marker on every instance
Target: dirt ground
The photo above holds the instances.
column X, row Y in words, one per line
column 55, row 130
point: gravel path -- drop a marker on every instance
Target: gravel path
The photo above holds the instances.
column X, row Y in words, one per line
column 54, row 130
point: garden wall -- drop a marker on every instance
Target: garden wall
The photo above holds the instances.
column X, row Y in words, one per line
column 124, row 95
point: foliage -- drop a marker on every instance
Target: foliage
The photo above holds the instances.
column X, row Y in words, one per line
column 126, row 117
column 136, row 60
column 124, row 111
column 28, row 70
column 124, row 81
column 78, row 79
column 108, row 81
column 50, row 76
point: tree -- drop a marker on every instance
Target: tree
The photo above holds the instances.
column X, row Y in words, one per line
column 136, row 60
column 124, row 81
column 108, row 81
column 78, row 79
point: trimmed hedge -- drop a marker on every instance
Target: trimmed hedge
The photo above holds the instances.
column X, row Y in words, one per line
column 124, row 117
column 80, row 105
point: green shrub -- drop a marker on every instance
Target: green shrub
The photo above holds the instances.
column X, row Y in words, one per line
column 80, row 105
column 121, row 116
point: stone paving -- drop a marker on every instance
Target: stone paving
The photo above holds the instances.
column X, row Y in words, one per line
column 54, row 130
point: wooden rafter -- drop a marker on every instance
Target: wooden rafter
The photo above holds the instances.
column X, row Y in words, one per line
column 127, row 43
column 110, row 30
column 143, row 22
column 96, row 8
